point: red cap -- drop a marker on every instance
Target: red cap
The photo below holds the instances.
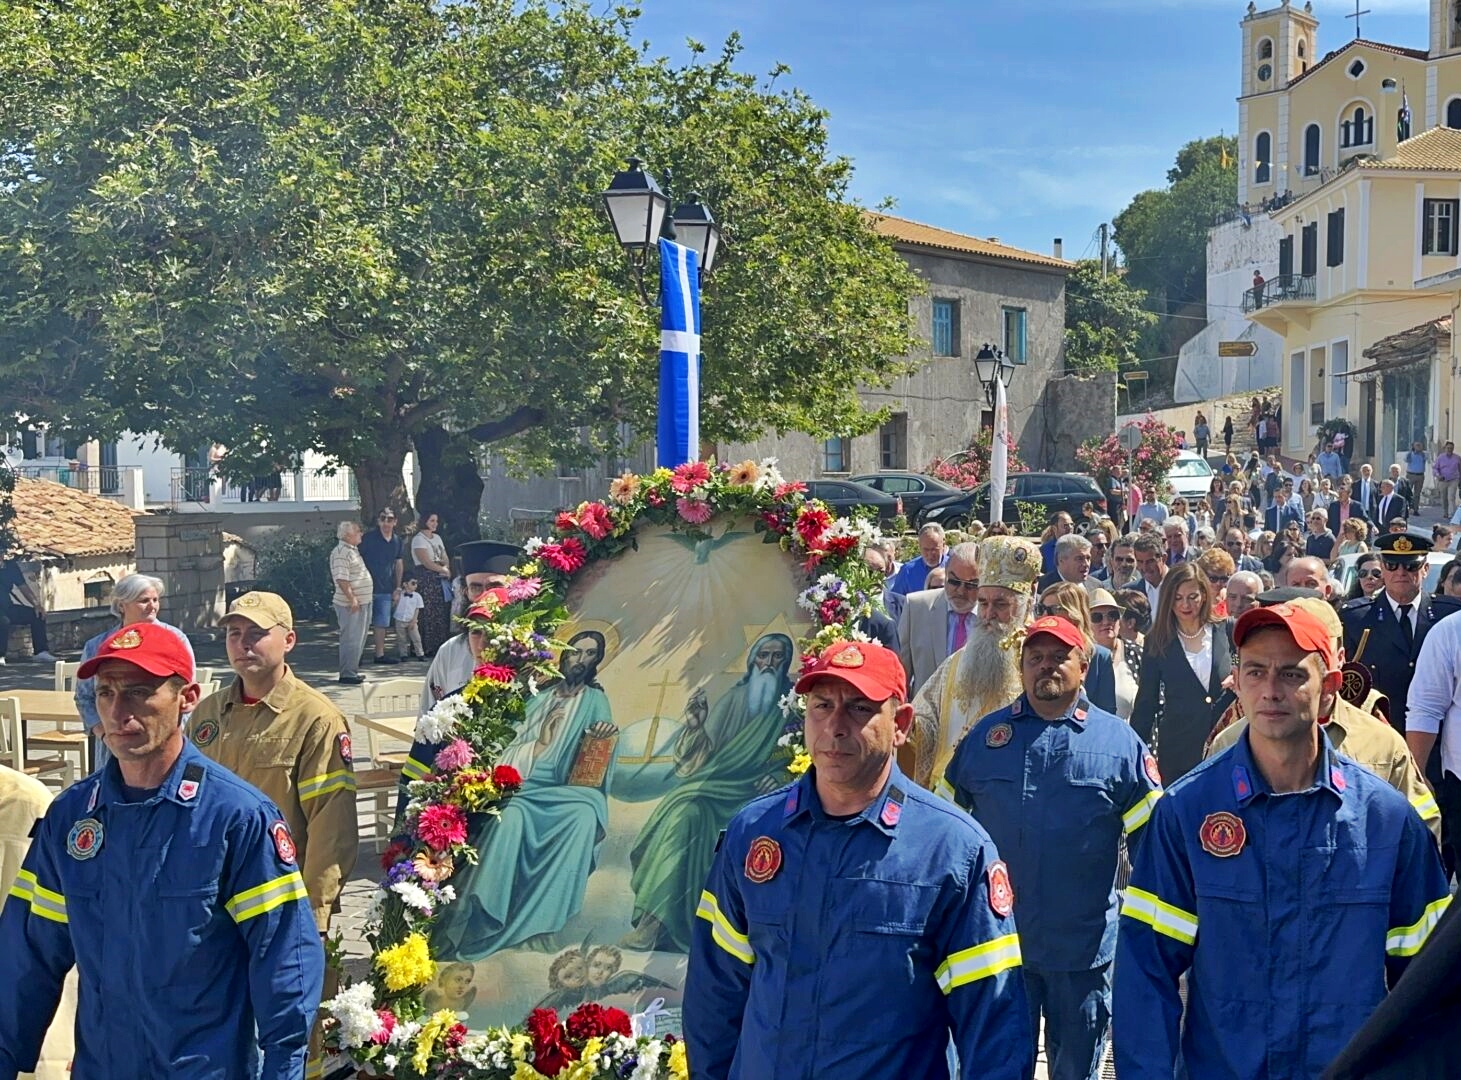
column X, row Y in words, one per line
column 1060, row 628
column 156, row 649
column 873, row 671
column 1303, row 626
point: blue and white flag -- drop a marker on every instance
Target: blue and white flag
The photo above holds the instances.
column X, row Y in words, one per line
column 678, row 438
column 999, row 454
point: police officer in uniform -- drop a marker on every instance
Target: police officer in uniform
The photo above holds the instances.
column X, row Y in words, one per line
column 173, row 887
column 853, row 920
column 1356, row 733
column 1289, row 884
column 292, row 743
column 1385, row 632
column 1057, row 782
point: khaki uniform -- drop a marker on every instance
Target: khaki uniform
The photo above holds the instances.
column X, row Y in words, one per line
column 23, row 801
column 294, row 746
column 1370, row 743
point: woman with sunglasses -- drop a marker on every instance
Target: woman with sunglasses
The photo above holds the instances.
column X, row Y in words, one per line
column 1189, row 652
column 1071, row 600
column 1106, row 631
column 1367, row 577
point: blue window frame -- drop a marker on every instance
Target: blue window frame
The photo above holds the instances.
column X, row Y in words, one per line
column 946, row 328
column 1014, row 335
column 837, row 455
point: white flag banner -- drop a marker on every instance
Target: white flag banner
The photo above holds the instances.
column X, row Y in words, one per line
column 999, row 454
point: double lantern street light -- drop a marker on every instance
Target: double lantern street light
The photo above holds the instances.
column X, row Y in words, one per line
column 991, row 364
column 640, row 214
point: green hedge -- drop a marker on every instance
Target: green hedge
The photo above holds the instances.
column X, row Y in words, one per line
column 297, row 567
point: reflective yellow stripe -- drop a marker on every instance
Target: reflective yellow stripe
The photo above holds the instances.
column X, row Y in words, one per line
column 1161, row 916
column 1139, row 814
column 722, row 932
column 1407, row 940
column 980, row 962
column 266, row 897
column 44, row 903
column 315, row 786
column 314, row 1068
column 1425, row 806
column 414, row 770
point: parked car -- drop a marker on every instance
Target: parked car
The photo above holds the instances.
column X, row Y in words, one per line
column 915, row 489
column 1052, row 492
column 845, row 496
column 1191, row 476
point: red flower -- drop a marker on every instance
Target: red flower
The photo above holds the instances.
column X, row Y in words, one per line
column 689, row 476
column 566, row 557
column 507, row 778
column 811, row 524
column 442, row 825
column 831, row 611
column 586, row 1022
column 782, row 491
column 617, row 1021
column 552, row 1052
column 594, row 519
column 565, row 522
column 393, row 854
column 500, row 673
column 840, row 545
column 455, row 1036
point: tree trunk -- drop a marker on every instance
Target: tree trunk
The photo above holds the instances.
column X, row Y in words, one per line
column 380, row 483
column 450, row 483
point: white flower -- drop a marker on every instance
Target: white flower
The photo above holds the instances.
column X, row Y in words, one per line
column 791, row 702
column 354, row 1008
column 390, row 1061
column 854, row 634
column 770, row 475
column 414, row 897
column 404, row 1032
column 648, row 1066
column 532, row 545
column 532, row 687
column 440, row 722
column 447, row 894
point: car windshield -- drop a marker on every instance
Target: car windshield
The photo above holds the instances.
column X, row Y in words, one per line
column 1191, row 467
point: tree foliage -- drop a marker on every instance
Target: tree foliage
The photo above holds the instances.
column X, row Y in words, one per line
column 283, row 225
column 1163, row 232
column 1104, row 320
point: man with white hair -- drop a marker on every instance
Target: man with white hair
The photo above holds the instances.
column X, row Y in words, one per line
column 984, row 675
column 353, row 590
column 1072, row 564
column 912, row 576
column 1310, row 572
column 936, row 622
column 1242, row 593
column 1174, row 531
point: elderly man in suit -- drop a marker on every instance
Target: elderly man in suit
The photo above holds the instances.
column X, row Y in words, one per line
column 1367, row 492
column 1344, row 507
column 1072, row 563
column 1391, row 504
column 935, row 622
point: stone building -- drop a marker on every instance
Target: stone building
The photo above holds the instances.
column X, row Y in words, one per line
column 978, row 291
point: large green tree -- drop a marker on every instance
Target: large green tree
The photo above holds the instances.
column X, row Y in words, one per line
column 356, row 226
column 1104, row 319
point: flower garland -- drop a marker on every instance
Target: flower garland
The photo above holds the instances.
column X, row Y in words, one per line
column 384, row 1022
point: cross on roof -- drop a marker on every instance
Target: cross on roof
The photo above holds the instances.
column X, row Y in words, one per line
column 1356, row 17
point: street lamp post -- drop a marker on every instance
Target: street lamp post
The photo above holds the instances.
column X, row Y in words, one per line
column 991, row 364
column 640, row 214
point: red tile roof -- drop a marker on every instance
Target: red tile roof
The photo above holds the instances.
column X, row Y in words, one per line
column 52, row 520
column 901, row 230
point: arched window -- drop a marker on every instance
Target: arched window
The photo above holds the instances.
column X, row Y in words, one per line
column 1262, row 151
column 1358, row 129
column 1303, row 49
column 1312, row 136
column 1453, row 113
column 1265, row 49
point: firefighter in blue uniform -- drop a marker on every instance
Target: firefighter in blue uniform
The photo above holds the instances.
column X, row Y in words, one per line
column 1290, row 885
column 173, row 888
column 1384, row 633
column 1057, row 782
column 853, row 921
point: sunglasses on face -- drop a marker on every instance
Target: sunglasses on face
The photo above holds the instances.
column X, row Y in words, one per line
column 1372, row 572
column 1046, row 609
column 1099, row 617
column 1407, row 567
column 959, row 583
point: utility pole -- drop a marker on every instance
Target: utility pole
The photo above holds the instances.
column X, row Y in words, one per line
column 1105, row 256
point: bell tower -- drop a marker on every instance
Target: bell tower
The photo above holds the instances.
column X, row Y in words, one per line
column 1445, row 27
column 1279, row 45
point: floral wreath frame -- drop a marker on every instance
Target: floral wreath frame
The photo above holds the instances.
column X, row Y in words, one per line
column 382, row 1022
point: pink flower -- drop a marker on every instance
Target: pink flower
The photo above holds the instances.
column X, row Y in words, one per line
column 524, row 589
column 694, row 511
column 594, row 519
column 498, row 673
column 566, row 557
column 442, row 825
column 387, row 1021
column 690, row 476
column 457, row 754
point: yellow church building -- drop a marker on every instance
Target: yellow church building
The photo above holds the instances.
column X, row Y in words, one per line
column 1356, row 155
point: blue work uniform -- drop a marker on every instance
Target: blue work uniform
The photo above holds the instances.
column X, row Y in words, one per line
column 1286, row 911
column 419, row 763
column 1056, row 797
column 187, row 920
column 854, row 947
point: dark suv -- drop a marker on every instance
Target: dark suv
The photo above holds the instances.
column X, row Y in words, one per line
column 1052, row 492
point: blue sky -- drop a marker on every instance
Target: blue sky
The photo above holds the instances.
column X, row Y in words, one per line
column 1021, row 119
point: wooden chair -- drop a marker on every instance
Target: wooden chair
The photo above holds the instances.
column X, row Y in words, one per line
column 377, row 786
column 66, row 676
column 12, row 748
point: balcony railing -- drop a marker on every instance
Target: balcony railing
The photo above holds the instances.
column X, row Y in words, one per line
column 1280, row 289
column 94, row 479
column 204, row 486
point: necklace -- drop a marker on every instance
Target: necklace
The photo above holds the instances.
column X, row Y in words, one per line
column 1185, row 636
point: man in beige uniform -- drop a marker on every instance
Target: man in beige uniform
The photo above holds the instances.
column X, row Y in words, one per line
column 1360, row 737
column 23, row 802
column 290, row 742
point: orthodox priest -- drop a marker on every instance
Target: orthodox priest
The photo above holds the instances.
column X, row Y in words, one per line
column 983, row 676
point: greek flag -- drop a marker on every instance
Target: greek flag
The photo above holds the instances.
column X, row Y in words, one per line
column 678, row 438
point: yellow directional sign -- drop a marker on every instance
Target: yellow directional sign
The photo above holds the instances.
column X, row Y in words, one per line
column 1237, row 348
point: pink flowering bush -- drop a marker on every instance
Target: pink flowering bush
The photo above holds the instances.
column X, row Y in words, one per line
column 1149, row 464
column 971, row 468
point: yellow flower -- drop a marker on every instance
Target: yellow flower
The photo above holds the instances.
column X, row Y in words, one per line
column 407, row 964
column 531, row 569
column 478, row 795
column 586, row 1067
column 524, row 1071
column 678, row 1067
column 623, row 489
column 433, row 1029
column 660, row 475
column 800, row 764
column 744, row 475
column 593, row 1048
column 522, row 1045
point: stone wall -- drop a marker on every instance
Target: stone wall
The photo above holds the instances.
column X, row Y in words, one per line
column 186, row 552
column 1076, row 407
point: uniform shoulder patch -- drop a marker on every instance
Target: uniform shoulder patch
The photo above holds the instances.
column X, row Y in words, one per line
column 1001, row 892
column 1154, row 774
column 283, row 843
column 1222, row 834
column 84, row 839
column 763, row 860
column 999, row 735
column 205, row 733
column 192, row 780
column 344, row 740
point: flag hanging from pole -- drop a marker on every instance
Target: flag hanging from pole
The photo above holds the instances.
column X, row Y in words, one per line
column 999, row 454
column 678, row 437
column 1402, row 123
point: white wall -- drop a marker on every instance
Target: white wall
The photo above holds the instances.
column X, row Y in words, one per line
column 1234, row 251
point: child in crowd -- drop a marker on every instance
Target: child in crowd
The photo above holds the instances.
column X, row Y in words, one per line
column 408, row 616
